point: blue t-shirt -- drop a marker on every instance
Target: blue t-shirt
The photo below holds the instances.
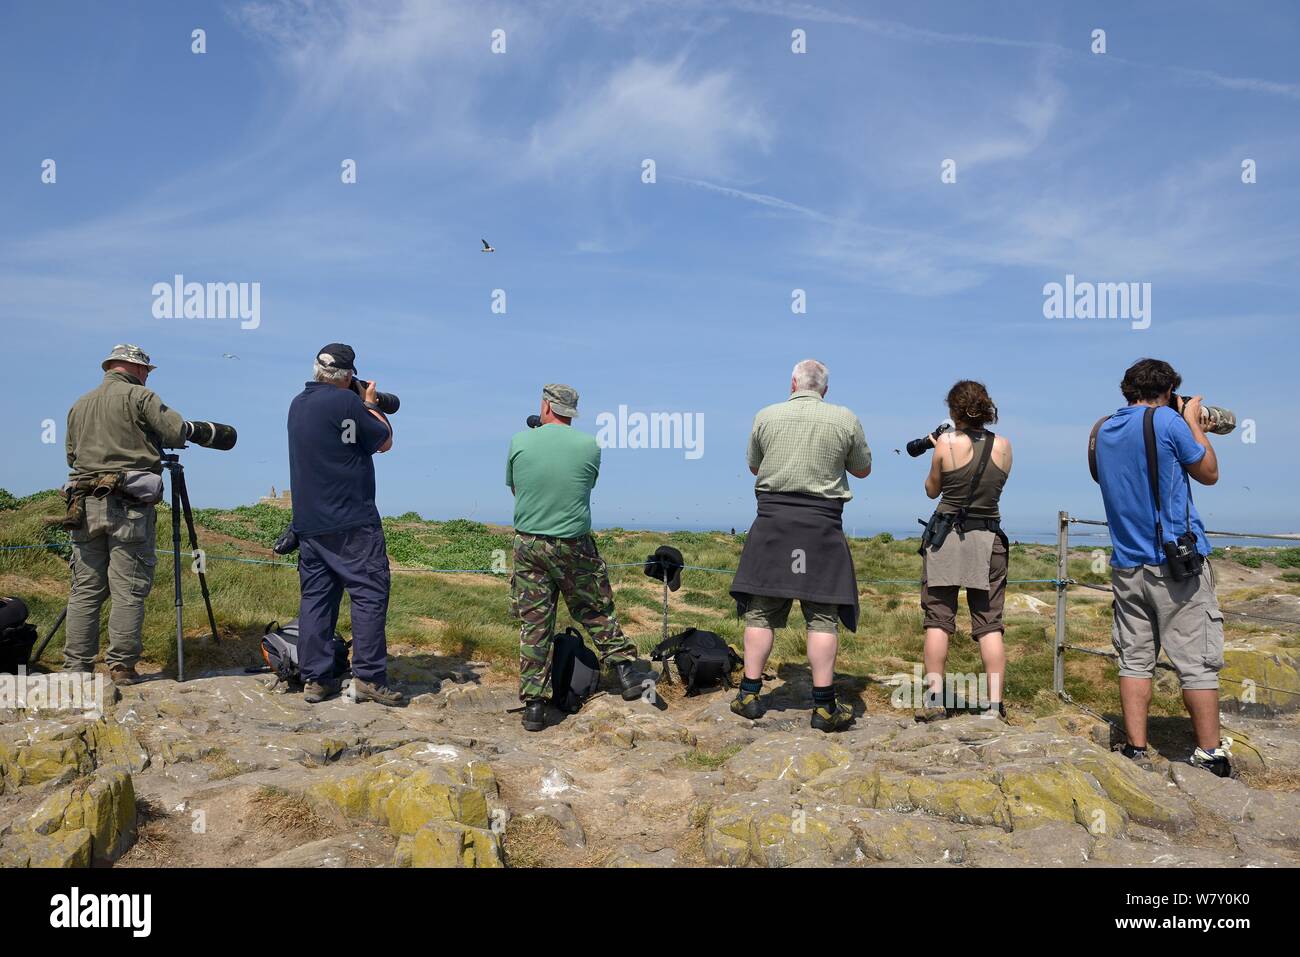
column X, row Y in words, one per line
column 332, row 436
column 1126, row 490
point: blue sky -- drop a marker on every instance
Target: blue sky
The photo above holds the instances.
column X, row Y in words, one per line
column 775, row 172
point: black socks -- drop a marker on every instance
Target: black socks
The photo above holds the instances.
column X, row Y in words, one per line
column 824, row 697
column 751, row 685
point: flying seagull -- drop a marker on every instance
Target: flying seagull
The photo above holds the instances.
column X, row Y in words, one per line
column 229, row 355
column 487, row 248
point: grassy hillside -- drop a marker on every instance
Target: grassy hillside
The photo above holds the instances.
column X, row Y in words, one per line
column 467, row 615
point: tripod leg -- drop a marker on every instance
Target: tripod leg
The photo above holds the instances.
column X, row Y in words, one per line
column 54, row 630
column 194, row 546
column 668, row 668
column 175, row 469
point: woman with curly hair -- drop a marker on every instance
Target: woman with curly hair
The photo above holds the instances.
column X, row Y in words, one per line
column 964, row 546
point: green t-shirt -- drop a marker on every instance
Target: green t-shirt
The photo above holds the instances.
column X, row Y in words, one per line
column 552, row 469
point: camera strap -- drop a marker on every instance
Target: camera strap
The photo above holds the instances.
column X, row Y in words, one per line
column 1153, row 473
column 1092, row 448
column 985, row 454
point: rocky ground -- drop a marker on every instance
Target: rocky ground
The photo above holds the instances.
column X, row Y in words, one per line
column 221, row 770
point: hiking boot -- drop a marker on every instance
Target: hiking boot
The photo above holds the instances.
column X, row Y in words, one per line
column 837, row 718
column 1139, row 756
column 748, row 705
column 569, row 703
column 123, row 674
column 534, row 715
column 381, row 694
column 1216, row 761
column 924, row 715
column 314, row 692
column 632, row 677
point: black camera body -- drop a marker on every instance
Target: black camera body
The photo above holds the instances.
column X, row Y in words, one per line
column 920, row 446
column 287, row 543
column 387, row 402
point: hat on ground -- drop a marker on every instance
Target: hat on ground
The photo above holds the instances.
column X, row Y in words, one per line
column 125, row 352
column 563, row 399
column 336, row 355
column 666, row 562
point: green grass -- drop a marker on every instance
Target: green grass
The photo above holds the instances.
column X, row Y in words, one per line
column 468, row 615
column 699, row 760
column 1258, row 557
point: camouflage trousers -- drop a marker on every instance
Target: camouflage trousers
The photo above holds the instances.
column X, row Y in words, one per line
column 545, row 568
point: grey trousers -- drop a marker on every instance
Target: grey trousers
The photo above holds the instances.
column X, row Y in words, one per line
column 112, row 556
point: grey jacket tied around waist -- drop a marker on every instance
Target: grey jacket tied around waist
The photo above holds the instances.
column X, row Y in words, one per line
column 796, row 549
column 963, row 559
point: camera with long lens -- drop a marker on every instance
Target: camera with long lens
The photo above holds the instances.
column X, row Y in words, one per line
column 534, row 421
column 1214, row 419
column 387, row 402
column 211, row 435
column 922, row 445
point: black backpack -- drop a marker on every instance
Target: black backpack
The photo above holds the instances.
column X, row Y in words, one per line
column 16, row 636
column 702, row 658
column 280, row 649
column 575, row 671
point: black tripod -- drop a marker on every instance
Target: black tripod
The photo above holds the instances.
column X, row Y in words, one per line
column 181, row 503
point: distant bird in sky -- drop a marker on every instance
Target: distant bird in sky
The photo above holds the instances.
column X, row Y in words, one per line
column 488, row 248
column 229, row 355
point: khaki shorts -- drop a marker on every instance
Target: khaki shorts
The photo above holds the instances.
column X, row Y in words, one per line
column 1152, row 611
column 939, row 604
column 765, row 611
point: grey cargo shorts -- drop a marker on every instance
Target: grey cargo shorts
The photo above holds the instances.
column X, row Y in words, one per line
column 1152, row 611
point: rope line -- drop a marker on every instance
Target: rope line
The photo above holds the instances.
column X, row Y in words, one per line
column 1282, row 537
column 492, row 571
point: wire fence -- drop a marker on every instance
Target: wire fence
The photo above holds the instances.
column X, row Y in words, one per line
column 1061, row 645
column 1061, row 583
column 499, row 572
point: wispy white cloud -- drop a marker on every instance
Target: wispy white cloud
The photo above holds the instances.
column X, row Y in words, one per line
column 893, row 29
column 692, row 122
column 762, row 199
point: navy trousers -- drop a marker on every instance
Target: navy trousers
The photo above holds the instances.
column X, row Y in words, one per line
column 355, row 560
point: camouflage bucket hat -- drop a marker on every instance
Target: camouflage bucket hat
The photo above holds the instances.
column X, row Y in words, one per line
column 125, row 352
column 563, row 399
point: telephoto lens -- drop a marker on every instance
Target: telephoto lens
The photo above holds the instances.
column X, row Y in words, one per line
column 211, row 435
column 534, row 421
column 387, row 402
column 922, row 445
column 1214, row 419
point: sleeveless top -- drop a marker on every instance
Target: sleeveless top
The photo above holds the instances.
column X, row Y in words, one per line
column 955, row 485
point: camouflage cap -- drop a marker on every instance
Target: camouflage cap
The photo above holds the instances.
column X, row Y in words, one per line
column 563, row 399
column 125, row 352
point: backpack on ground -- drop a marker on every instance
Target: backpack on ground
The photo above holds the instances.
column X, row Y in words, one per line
column 17, row 636
column 280, row 649
column 575, row 671
column 702, row 658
